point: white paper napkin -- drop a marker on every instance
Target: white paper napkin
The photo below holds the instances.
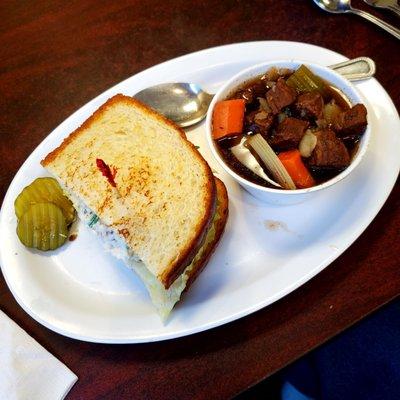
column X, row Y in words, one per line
column 27, row 370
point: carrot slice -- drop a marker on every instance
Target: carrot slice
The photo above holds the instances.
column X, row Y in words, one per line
column 228, row 118
column 294, row 165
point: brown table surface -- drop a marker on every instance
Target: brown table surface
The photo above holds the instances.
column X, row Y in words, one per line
column 56, row 55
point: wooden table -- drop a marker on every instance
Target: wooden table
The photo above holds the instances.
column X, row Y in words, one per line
column 56, row 55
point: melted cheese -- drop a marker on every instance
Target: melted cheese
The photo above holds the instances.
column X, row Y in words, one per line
column 163, row 299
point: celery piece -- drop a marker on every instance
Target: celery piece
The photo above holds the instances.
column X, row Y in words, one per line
column 93, row 220
column 304, row 80
column 271, row 161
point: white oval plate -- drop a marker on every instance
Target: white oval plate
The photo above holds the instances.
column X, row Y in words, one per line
column 267, row 251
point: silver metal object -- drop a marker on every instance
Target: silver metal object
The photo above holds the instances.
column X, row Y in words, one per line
column 344, row 6
column 356, row 69
column 186, row 103
column 388, row 4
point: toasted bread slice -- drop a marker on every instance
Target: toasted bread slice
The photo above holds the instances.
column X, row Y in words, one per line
column 146, row 182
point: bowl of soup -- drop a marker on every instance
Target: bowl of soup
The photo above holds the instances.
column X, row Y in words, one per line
column 287, row 129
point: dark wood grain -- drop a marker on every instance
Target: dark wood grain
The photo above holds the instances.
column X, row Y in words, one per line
column 57, row 55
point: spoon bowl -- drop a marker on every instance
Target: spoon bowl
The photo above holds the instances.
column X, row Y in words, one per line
column 184, row 103
column 334, row 6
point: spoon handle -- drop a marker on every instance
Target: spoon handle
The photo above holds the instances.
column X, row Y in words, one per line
column 387, row 27
column 356, row 69
column 395, row 8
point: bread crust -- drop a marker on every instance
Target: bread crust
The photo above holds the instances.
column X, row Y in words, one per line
column 188, row 253
column 223, row 210
column 185, row 257
column 98, row 114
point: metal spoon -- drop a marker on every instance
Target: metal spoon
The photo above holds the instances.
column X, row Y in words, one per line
column 186, row 103
column 388, row 4
column 344, row 6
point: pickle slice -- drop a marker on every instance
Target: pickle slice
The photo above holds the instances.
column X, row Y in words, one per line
column 43, row 227
column 44, row 190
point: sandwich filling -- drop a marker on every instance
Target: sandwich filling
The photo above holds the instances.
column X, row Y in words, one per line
column 162, row 298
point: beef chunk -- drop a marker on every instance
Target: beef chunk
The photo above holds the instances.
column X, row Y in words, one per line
column 280, row 96
column 329, row 152
column 288, row 133
column 250, row 117
column 250, row 93
column 264, row 123
column 352, row 121
column 310, row 105
column 260, row 121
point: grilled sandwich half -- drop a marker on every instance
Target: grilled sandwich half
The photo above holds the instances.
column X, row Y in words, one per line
column 138, row 183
